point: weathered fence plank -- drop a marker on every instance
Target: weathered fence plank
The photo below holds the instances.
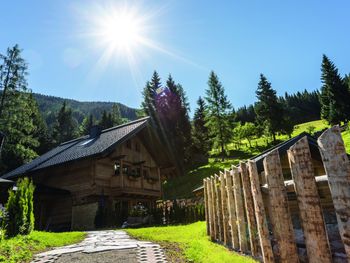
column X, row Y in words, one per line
column 337, row 167
column 206, row 206
column 260, row 215
column 219, row 208
column 241, row 222
column 279, row 211
column 214, row 209
column 224, row 208
column 312, row 222
column 249, row 205
column 231, row 210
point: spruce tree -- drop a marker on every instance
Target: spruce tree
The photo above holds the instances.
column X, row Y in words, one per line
column 106, row 120
column 17, row 108
column 334, row 95
column 116, row 116
column 218, row 108
column 65, row 127
column 86, row 125
column 200, row 133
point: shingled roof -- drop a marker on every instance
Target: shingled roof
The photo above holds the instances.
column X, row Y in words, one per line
column 82, row 147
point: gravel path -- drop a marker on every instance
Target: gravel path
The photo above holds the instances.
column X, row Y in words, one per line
column 105, row 247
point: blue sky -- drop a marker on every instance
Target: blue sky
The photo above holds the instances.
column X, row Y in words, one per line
column 239, row 40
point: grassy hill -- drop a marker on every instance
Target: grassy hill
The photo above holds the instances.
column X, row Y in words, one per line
column 50, row 105
column 182, row 187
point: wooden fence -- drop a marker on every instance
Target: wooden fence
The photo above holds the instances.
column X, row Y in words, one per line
column 257, row 220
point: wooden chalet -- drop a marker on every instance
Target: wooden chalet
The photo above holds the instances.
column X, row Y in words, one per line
column 115, row 168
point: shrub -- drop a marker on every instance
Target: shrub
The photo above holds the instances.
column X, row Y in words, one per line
column 19, row 215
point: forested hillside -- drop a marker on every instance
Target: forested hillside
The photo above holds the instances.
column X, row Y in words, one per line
column 50, row 105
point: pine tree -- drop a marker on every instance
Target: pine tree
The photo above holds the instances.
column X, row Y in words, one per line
column 268, row 110
column 106, row 120
column 65, row 127
column 116, row 116
column 334, row 95
column 16, row 112
column 200, row 133
column 86, row 125
column 218, row 108
column 150, row 95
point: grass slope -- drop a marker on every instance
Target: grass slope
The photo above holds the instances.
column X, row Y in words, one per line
column 192, row 240
column 182, row 187
column 22, row 248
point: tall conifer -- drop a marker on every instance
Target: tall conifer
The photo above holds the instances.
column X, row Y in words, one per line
column 218, row 108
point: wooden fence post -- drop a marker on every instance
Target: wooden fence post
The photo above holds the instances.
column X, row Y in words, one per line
column 206, row 206
column 280, row 217
column 337, row 167
column 232, row 210
column 214, row 208
column 312, row 222
column 219, row 208
column 260, row 215
column 224, row 208
column 249, row 204
column 241, row 222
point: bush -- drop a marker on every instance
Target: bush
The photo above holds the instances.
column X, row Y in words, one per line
column 19, row 215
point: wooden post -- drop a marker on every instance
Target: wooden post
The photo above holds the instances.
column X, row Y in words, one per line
column 231, row 210
column 215, row 208
column 337, row 167
column 219, row 208
column 249, row 204
column 260, row 214
column 312, row 222
column 241, row 222
column 280, row 217
column 210, row 210
column 206, row 207
column 224, row 208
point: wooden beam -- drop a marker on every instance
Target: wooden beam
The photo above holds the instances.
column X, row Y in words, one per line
column 281, row 220
column 249, row 206
column 219, row 209
column 232, row 221
column 215, row 215
column 260, row 214
column 241, row 222
column 309, row 203
column 337, row 167
column 206, row 207
column 224, row 208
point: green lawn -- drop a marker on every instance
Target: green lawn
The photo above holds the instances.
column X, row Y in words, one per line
column 193, row 242
column 305, row 127
column 22, row 248
column 182, row 186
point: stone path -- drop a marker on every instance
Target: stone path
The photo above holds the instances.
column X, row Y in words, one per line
column 105, row 246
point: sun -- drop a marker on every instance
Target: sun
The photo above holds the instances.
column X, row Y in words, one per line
column 120, row 31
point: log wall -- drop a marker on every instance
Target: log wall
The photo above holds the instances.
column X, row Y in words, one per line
column 304, row 219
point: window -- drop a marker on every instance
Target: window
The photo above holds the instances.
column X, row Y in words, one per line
column 117, row 168
column 126, row 169
column 128, row 144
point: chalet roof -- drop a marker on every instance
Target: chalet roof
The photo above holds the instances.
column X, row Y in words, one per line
column 82, row 147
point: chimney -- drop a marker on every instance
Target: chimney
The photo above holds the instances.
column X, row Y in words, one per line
column 95, row 131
